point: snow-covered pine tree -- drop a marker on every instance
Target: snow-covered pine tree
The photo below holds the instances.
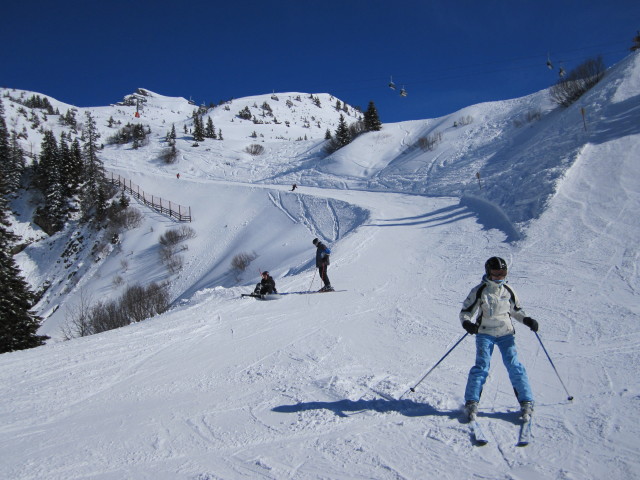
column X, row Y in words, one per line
column 342, row 135
column 76, row 166
column 47, row 161
column 5, row 156
column 371, row 119
column 94, row 192
column 16, row 164
column 66, row 179
column 50, row 217
column 18, row 324
column 198, row 128
column 210, row 131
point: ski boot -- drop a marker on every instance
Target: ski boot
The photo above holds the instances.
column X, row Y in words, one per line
column 526, row 410
column 471, row 409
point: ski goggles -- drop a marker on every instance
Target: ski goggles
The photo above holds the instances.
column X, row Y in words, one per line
column 498, row 273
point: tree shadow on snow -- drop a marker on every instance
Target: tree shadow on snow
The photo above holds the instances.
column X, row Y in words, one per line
column 346, row 408
column 436, row 217
column 489, row 215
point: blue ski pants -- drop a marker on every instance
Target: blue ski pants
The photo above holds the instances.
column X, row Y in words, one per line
column 479, row 372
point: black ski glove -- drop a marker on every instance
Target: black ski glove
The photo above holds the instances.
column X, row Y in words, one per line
column 471, row 328
column 531, row 323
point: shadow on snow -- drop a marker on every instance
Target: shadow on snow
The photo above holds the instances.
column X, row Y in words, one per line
column 408, row 408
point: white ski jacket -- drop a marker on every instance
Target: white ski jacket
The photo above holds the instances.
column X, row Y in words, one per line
column 497, row 305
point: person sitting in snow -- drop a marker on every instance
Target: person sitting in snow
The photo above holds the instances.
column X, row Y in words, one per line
column 267, row 285
column 497, row 304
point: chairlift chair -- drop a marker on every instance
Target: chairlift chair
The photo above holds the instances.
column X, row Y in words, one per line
column 392, row 85
column 549, row 64
column 403, row 92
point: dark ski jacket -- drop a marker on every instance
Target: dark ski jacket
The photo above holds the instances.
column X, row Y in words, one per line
column 322, row 255
column 268, row 285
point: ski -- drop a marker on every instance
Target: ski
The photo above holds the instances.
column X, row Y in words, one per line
column 524, row 437
column 268, row 296
column 478, row 435
column 310, row 292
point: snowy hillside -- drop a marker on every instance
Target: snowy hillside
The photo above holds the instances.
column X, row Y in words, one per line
column 316, row 386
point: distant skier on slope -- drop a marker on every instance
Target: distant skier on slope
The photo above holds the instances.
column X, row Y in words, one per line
column 497, row 304
column 322, row 263
column 266, row 285
column 293, row 187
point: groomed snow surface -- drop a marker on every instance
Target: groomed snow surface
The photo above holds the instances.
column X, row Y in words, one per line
column 315, row 386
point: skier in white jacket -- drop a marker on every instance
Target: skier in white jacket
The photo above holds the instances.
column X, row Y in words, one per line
column 496, row 304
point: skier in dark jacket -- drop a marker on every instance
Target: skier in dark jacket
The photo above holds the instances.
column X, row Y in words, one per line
column 322, row 263
column 267, row 285
column 496, row 305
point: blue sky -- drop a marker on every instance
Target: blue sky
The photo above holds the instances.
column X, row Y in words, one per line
column 447, row 54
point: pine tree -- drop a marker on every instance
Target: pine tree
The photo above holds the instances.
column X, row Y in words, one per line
column 48, row 179
column 636, row 43
column 65, row 166
column 342, row 136
column 371, row 120
column 11, row 157
column 18, row 324
column 75, row 167
column 210, row 131
column 94, row 198
column 198, row 129
column 49, row 161
column 5, row 155
column 16, row 163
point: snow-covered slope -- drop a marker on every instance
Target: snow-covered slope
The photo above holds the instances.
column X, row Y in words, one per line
column 315, row 386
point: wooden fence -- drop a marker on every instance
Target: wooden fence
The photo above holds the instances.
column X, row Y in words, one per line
column 174, row 210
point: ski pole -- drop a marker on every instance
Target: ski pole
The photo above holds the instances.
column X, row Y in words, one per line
column 554, row 367
column 413, row 389
column 314, row 277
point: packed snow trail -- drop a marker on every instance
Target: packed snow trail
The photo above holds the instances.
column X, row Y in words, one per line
column 304, row 387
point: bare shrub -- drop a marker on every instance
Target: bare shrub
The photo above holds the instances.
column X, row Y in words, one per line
column 430, row 141
column 107, row 316
column 465, row 120
column 118, row 281
column 131, row 218
column 169, row 241
column 174, row 236
column 241, row 261
column 78, row 318
column 138, row 303
column 255, row 149
column 124, row 217
column 578, row 82
column 169, row 155
column 356, row 129
column 530, row 117
column 174, row 263
column 170, row 238
column 186, row 232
